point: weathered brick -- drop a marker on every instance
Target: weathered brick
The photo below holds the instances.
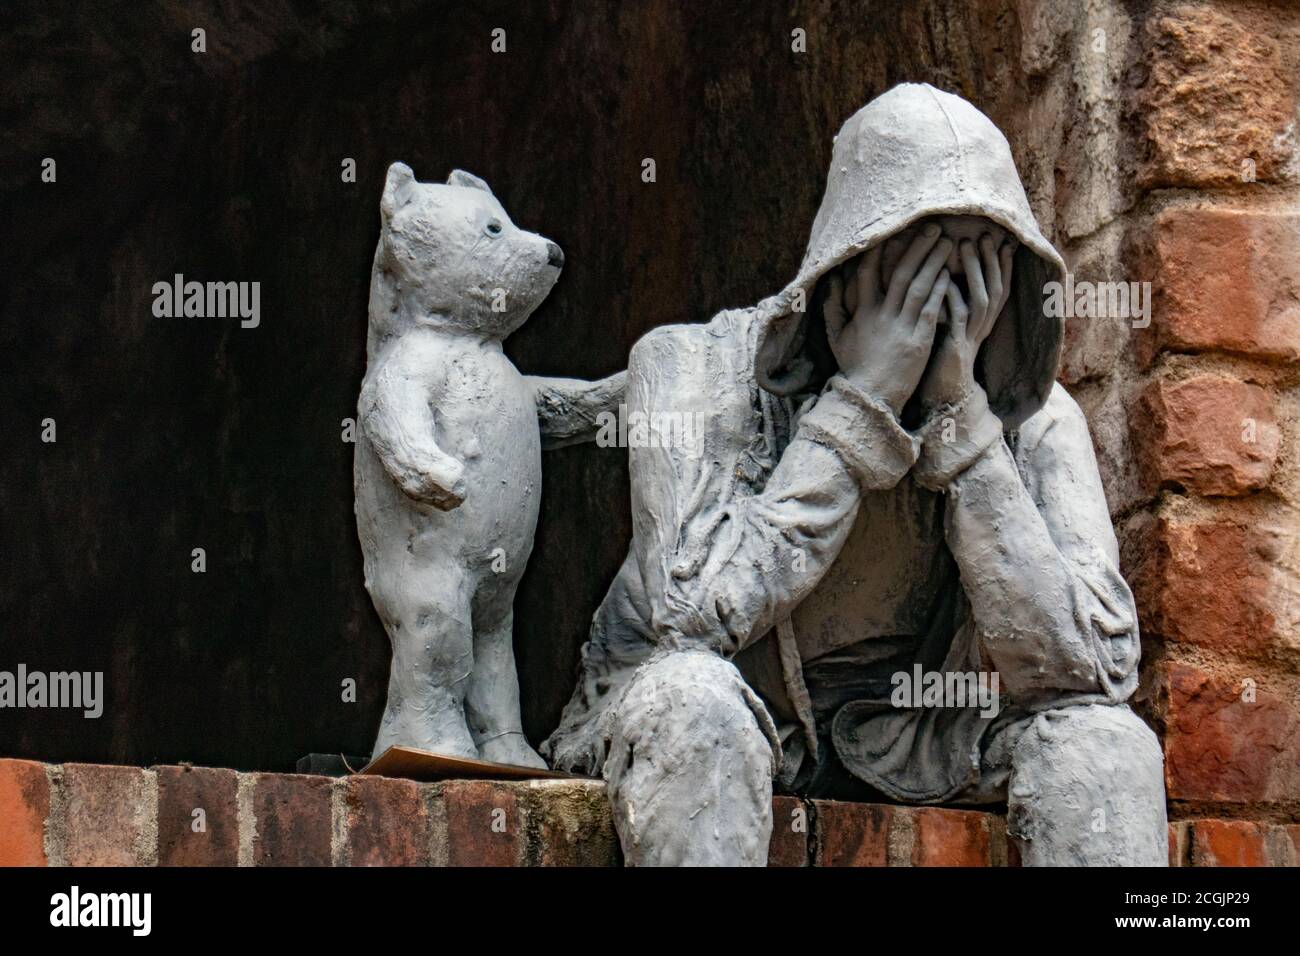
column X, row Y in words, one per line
column 181, row 792
column 1003, row 850
column 1219, row 746
column 293, row 816
column 1179, row 837
column 109, row 816
column 386, row 822
column 1217, row 582
column 485, row 825
column 1228, row 843
column 1044, row 28
column 942, row 837
column 1215, row 103
column 571, row 824
column 24, row 808
column 1291, row 833
column 1209, row 434
column 851, row 834
column 1224, row 280
column 1279, row 846
column 789, row 846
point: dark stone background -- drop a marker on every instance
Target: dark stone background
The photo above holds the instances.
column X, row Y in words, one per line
column 183, row 433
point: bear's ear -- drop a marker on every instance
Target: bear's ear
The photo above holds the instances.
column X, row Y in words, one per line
column 459, row 177
column 397, row 188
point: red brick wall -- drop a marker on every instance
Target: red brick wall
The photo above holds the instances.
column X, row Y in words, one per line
column 86, row 815
column 1211, row 524
column 1185, row 175
column 82, row 814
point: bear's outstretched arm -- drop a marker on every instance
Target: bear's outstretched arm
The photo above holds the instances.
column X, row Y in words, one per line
column 396, row 414
column 567, row 408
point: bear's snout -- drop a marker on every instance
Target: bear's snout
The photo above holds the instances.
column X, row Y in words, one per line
column 554, row 255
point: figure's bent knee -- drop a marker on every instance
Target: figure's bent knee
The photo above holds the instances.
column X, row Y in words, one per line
column 1098, row 738
column 688, row 703
column 1087, row 787
column 690, row 764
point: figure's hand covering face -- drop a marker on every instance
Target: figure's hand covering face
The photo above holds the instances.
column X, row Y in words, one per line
column 949, row 271
column 974, row 299
column 880, row 335
column 955, row 228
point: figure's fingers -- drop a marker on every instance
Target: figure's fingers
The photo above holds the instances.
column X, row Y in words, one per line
column 975, row 288
column 992, row 266
column 919, row 290
column 868, row 279
column 957, row 311
column 849, row 276
column 1006, row 257
column 892, row 247
column 928, row 320
column 905, row 271
column 833, row 309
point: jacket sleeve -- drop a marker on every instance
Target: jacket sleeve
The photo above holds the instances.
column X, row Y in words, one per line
column 569, row 409
column 1032, row 537
column 768, row 550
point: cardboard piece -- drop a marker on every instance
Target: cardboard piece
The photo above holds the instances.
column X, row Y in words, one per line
column 412, row 764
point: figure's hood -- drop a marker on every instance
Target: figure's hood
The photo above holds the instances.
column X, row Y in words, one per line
column 914, row 152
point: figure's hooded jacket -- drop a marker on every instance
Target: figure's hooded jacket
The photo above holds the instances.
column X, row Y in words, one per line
column 913, row 153
column 809, row 536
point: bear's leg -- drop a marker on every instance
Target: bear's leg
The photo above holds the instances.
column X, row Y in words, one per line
column 429, row 622
column 492, row 701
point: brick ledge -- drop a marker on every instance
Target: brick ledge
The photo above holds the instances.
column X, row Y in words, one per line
column 96, row 815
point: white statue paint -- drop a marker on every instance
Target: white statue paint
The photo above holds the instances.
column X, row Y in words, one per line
column 889, row 479
column 448, row 458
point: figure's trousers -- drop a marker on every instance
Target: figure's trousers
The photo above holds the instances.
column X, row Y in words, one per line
column 690, row 768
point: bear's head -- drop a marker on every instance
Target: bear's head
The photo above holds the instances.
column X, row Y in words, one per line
column 450, row 256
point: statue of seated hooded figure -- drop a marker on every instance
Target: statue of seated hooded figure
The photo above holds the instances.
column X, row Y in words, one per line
column 891, row 485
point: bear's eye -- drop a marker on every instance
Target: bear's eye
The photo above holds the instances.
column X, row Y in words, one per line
column 493, row 227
